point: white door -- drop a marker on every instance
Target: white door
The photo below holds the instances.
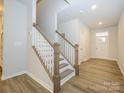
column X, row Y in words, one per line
column 81, row 48
column 102, row 45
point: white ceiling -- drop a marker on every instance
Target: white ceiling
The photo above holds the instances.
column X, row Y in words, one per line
column 107, row 12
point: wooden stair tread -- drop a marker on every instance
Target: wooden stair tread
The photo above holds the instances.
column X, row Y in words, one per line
column 66, row 73
column 63, row 65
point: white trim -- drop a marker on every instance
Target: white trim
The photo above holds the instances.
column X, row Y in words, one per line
column 67, row 78
column 109, row 59
column 32, row 76
column 121, row 68
column 84, row 61
column 49, row 88
column 12, row 75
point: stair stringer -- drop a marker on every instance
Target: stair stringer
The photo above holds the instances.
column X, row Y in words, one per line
column 63, row 81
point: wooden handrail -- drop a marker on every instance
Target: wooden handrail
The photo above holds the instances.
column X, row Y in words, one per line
column 37, row 27
column 65, row 39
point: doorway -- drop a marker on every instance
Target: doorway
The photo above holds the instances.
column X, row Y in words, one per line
column 1, row 37
column 81, row 47
column 102, row 44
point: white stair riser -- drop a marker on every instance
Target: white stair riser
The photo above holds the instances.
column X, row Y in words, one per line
column 67, row 78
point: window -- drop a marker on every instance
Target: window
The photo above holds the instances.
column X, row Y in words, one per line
column 102, row 34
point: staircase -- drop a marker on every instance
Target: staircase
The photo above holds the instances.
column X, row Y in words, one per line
column 59, row 61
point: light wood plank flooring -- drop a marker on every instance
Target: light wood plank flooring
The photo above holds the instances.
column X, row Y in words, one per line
column 96, row 76
column 21, row 84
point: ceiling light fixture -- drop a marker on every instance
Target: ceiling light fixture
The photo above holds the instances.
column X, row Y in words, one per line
column 100, row 23
column 93, row 7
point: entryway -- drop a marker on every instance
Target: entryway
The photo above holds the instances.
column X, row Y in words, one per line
column 102, row 44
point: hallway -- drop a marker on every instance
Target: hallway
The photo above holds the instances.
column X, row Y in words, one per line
column 96, row 76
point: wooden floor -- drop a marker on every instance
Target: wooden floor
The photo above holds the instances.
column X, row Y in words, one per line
column 96, row 76
column 21, row 84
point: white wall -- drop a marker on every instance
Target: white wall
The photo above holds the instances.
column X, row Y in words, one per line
column 121, row 43
column 84, row 42
column 71, row 30
column 47, row 12
column 112, row 44
column 15, row 38
column 78, row 33
column 46, row 18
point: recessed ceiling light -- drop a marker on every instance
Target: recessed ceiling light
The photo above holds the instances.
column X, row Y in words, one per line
column 81, row 11
column 93, row 7
column 100, row 23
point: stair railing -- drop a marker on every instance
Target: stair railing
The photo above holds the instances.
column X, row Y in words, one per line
column 69, row 51
column 49, row 55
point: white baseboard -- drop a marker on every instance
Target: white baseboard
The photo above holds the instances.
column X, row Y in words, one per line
column 12, row 75
column 32, row 76
column 67, row 78
column 84, row 61
column 107, row 59
column 49, row 88
column 122, row 70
